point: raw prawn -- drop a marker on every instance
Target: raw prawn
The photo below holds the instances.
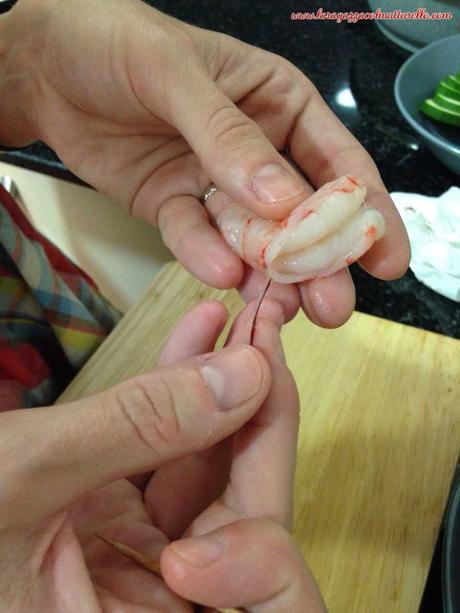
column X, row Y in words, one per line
column 328, row 231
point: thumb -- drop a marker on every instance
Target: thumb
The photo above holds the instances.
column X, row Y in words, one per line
column 54, row 455
column 251, row 563
column 233, row 150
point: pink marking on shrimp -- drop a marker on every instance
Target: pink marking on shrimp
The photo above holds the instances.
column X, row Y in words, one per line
column 261, row 261
column 348, row 190
column 307, row 213
column 354, row 181
column 349, row 261
column 371, row 232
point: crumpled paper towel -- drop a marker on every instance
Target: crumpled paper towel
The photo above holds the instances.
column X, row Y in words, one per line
column 433, row 225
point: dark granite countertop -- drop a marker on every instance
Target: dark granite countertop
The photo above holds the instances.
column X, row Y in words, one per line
column 336, row 57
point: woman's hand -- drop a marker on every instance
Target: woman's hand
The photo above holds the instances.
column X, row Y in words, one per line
column 151, row 110
column 63, row 479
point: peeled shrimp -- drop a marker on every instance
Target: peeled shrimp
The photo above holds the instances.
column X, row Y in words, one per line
column 328, row 231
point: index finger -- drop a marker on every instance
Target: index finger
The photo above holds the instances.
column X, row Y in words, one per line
column 265, row 448
column 323, row 147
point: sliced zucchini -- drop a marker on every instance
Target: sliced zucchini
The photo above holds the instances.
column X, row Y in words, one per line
column 432, row 109
column 444, row 88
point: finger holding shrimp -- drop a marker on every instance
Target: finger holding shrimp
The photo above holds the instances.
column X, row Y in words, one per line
column 184, row 224
column 324, row 159
column 328, row 302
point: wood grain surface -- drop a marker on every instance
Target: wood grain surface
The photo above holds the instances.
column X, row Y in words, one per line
column 379, row 438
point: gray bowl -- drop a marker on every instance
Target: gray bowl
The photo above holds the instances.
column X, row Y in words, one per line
column 416, row 80
column 413, row 34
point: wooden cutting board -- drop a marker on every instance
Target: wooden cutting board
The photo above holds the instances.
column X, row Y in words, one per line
column 379, row 438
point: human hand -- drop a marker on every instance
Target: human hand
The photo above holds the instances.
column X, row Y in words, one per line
column 151, row 110
column 62, row 480
column 238, row 493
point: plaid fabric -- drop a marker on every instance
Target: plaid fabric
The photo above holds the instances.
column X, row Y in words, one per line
column 52, row 316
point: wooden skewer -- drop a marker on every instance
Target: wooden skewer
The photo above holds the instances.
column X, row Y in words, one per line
column 132, row 554
column 146, row 562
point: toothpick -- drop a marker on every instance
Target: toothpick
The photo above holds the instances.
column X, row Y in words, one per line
column 145, row 562
column 132, row 554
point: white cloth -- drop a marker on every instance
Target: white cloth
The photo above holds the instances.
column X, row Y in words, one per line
column 433, row 225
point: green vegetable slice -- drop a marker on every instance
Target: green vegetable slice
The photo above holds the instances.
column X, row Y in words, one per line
column 454, row 83
column 445, row 89
column 447, row 103
column 440, row 113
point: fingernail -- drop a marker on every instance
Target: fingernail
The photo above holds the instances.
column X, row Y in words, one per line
column 200, row 551
column 233, row 376
column 273, row 183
